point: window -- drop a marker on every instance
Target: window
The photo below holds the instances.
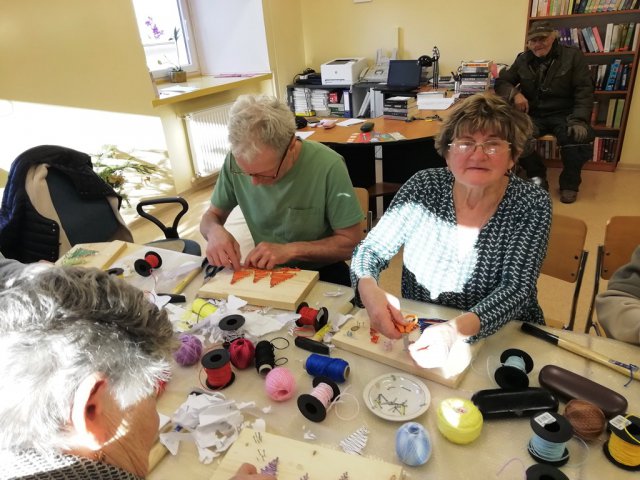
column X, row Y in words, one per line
column 158, row 22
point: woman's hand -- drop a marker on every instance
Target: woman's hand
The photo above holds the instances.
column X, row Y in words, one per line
column 249, row 472
column 431, row 350
column 382, row 308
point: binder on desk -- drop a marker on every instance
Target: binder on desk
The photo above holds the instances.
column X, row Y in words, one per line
column 366, row 105
column 346, row 100
column 377, row 103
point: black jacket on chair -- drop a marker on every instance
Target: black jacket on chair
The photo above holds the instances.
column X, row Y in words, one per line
column 54, row 200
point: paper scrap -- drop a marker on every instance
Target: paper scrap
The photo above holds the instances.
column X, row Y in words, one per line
column 350, row 121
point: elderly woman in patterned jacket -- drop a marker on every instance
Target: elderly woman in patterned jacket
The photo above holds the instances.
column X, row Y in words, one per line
column 81, row 355
column 474, row 234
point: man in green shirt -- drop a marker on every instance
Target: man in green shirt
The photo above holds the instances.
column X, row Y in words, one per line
column 296, row 196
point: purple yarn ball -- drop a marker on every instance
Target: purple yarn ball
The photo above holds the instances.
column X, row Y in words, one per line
column 190, row 350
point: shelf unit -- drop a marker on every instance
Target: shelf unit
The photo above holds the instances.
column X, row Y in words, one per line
column 344, row 92
column 602, row 97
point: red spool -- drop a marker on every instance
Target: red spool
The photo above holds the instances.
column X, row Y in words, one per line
column 310, row 316
column 218, row 369
column 146, row 265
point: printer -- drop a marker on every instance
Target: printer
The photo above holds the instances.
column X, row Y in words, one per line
column 342, row 71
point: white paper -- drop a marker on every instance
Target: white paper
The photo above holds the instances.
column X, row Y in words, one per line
column 435, row 103
column 350, row 121
column 303, row 135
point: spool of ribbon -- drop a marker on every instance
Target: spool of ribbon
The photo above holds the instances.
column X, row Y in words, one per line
column 551, row 432
column 265, row 357
column 413, row 445
column 144, row 266
column 314, row 405
column 202, row 308
column 336, row 369
column 216, row 364
column 623, row 447
column 310, row 316
column 516, row 364
column 541, row 471
column 231, row 327
column 459, row 420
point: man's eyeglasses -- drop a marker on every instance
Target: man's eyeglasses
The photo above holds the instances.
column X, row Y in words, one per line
column 259, row 175
column 489, row 147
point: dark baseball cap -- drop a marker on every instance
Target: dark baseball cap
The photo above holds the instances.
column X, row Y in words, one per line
column 540, row 29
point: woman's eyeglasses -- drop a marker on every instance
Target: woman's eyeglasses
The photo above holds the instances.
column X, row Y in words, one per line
column 259, row 175
column 489, row 147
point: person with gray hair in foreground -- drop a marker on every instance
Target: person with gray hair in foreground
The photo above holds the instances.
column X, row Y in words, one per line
column 296, row 196
column 81, row 357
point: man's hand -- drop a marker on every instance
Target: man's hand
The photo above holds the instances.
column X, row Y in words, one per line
column 383, row 315
column 249, row 472
column 578, row 131
column 222, row 248
column 268, row 255
column 521, row 102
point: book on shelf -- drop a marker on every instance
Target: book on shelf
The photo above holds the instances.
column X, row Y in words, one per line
column 399, row 102
column 607, row 37
column 611, row 110
column 613, row 71
column 617, row 118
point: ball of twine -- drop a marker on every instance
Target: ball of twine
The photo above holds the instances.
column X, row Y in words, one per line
column 280, row 384
column 190, row 350
column 587, row 420
column 242, row 352
column 413, row 445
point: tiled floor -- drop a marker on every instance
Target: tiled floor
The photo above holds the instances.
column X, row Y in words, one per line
column 602, row 195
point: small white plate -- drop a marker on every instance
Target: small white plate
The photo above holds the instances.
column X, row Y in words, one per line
column 397, row 396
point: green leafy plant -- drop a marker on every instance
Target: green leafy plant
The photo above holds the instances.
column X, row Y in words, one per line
column 113, row 165
column 176, row 67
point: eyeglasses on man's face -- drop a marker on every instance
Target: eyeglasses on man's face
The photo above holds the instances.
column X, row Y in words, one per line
column 235, row 171
column 489, row 147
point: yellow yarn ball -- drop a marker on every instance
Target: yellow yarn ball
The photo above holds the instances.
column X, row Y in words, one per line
column 459, row 420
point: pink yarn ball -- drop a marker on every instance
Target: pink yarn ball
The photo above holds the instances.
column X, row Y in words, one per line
column 280, row 384
column 190, row 350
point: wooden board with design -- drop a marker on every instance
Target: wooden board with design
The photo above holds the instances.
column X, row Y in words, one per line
column 296, row 458
column 358, row 341
column 98, row 255
column 286, row 295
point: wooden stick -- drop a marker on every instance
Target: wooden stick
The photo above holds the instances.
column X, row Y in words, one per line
column 186, row 280
column 620, row 367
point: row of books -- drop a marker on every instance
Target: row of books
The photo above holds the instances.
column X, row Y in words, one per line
column 611, row 77
column 620, row 37
column 604, row 149
column 400, row 108
column 608, row 112
column 552, row 8
column 309, row 102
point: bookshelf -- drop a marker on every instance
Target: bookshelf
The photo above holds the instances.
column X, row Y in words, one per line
column 321, row 100
column 606, row 31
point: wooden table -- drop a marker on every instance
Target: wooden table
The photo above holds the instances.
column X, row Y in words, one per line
column 499, row 442
column 399, row 160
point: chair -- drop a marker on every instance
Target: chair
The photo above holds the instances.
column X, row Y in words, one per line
column 363, row 198
column 621, row 237
column 566, row 259
column 53, row 201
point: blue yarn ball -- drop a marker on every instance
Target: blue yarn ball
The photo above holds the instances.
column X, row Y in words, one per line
column 413, row 445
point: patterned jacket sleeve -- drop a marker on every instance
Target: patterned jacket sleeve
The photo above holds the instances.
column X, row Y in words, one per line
column 525, row 250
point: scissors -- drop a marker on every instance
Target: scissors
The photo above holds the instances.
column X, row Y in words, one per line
column 210, row 271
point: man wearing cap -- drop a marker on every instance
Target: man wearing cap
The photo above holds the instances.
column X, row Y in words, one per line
column 552, row 83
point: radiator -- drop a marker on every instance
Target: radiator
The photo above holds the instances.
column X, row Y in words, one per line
column 207, row 135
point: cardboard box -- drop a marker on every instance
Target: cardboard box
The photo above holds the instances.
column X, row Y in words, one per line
column 342, row 71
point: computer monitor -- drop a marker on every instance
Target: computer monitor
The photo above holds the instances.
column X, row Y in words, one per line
column 404, row 74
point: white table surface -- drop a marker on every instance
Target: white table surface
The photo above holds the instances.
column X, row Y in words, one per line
column 501, row 441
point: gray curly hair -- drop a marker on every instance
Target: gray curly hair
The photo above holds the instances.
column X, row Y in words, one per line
column 257, row 121
column 486, row 112
column 59, row 325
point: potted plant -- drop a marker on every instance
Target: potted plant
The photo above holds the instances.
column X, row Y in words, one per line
column 177, row 74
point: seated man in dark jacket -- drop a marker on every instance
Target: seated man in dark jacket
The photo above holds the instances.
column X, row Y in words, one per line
column 552, row 83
